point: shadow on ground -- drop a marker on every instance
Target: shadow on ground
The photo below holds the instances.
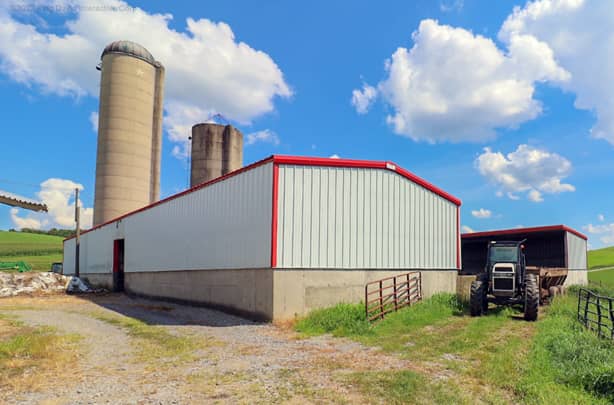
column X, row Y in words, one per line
column 155, row 312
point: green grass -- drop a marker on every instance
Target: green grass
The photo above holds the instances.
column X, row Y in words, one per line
column 567, row 363
column 601, row 258
column 37, row 250
column 349, row 319
column 29, row 355
column 38, row 263
column 28, row 244
column 602, row 277
column 498, row 358
column 156, row 343
column 406, row 387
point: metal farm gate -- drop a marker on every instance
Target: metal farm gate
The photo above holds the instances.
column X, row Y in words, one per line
column 391, row 294
column 596, row 312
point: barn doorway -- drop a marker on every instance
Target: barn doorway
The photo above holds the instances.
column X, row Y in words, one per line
column 118, row 265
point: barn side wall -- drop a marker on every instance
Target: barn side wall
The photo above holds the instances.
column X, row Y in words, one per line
column 223, row 225
column 576, row 260
column 355, row 218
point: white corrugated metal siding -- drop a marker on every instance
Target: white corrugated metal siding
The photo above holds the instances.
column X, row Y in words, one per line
column 68, row 266
column 333, row 217
column 576, row 252
column 96, row 250
column 224, row 225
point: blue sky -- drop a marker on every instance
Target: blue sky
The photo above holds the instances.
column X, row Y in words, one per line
column 445, row 81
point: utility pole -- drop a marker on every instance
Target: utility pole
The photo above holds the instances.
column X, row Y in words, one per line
column 78, row 221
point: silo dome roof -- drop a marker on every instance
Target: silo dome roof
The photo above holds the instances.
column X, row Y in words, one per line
column 129, row 48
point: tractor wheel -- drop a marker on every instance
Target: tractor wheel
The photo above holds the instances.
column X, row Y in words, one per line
column 477, row 299
column 531, row 298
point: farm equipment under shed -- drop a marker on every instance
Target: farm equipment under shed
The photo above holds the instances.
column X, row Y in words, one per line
column 507, row 280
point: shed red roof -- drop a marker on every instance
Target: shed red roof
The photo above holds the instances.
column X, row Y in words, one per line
column 524, row 230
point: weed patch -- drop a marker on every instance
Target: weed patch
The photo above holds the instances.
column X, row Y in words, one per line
column 340, row 320
column 402, row 387
column 349, row 319
column 156, row 343
column 29, row 355
column 568, row 363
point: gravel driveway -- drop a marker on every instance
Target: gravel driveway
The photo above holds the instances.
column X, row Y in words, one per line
column 242, row 362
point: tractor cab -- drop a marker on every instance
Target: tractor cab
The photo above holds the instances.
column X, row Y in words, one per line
column 505, row 267
column 505, row 281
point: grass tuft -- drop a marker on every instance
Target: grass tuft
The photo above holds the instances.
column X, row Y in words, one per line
column 156, row 343
column 349, row 319
column 340, row 320
column 30, row 357
column 403, row 387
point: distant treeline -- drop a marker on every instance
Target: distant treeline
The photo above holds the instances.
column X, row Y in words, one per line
column 65, row 233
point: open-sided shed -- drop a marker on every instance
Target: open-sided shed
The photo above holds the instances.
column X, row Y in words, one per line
column 545, row 246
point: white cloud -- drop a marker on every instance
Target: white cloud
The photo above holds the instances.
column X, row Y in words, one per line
column 482, row 213
column 580, row 33
column 511, row 196
column 32, row 223
column 334, row 156
column 456, row 5
column 527, row 169
column 601, row 217
column 207, row 69
column 466, row 229
column 605, row 232
column 58, row 195
column 455, row 86
column 264, row 136
column 362, row 99
column 94, row 121
column 535, row 196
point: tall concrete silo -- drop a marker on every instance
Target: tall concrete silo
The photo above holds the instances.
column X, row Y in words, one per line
column 216, row 151
column 129, row 130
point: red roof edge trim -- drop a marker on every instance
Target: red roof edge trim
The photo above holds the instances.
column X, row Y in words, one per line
column 297, row 160
column 525, row 230
column 188, row 191
column 367, row 164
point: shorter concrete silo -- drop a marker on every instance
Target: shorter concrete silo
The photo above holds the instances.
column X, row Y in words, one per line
column 216, row 151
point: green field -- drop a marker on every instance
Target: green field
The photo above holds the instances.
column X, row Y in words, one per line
column 602, row 277
column 601, row 258
column 37, row 250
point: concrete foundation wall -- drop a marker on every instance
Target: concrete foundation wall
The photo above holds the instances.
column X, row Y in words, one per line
column 264, row 293
column 99, row 280
column 296, row 292
column 247, row 291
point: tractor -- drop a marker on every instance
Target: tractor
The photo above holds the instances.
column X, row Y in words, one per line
column 506, row 281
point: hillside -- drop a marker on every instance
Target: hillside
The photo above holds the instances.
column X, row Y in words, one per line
column 37, row 250
column 601, row 258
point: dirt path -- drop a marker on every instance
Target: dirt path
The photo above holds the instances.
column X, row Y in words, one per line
column 246, row 362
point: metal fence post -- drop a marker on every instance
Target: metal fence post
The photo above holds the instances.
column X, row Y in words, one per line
column 394, row 292
column 381, row 299
column 598, row 316
column 586, row 309
column 367, row 301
